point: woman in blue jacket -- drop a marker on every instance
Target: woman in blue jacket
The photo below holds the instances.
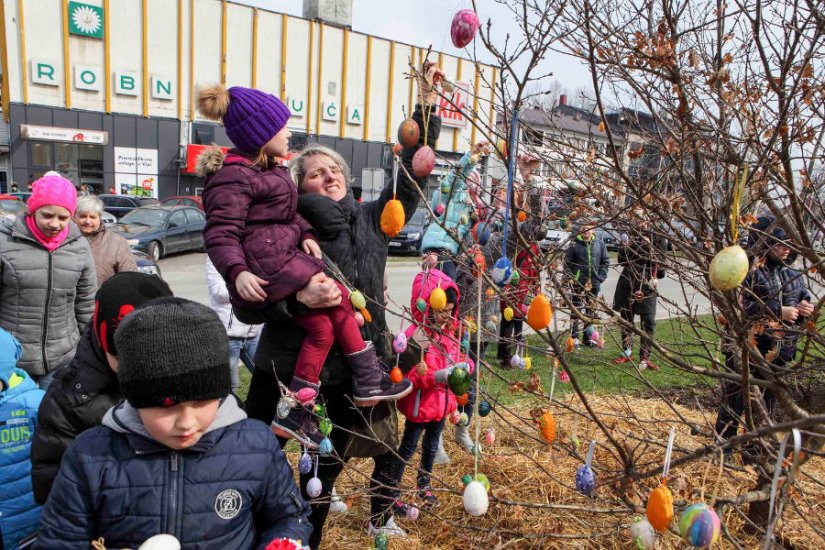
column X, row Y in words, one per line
column 19, row 399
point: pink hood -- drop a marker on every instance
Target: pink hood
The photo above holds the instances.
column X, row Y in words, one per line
column 423, row 284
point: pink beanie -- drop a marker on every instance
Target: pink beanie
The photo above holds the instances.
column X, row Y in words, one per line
column 53, row 188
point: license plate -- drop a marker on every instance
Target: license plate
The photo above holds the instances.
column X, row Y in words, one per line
column 394, row 244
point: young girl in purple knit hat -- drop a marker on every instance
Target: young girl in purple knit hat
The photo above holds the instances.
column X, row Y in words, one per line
column 267, row 252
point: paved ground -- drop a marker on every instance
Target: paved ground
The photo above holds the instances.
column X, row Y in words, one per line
column 185, row 274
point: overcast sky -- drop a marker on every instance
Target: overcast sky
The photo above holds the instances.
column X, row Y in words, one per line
column 425, row 22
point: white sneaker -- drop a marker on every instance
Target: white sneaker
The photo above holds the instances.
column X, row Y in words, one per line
column 390, row 529
column 337, row 505
column 441, row 456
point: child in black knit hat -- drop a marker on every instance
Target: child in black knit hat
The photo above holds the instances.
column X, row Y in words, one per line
column 178, row 456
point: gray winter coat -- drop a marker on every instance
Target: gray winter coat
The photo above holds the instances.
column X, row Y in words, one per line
column 45, row 296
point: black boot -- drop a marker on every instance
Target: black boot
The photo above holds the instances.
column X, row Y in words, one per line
column 300, row 424
column 370, row 382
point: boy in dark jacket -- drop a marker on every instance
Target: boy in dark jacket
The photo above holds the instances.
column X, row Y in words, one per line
column 19, row 399
column 87, row 387
column 586, row 263
column 178, row 456
column 774, row 295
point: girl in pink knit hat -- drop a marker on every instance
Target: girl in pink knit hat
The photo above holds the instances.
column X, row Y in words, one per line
column 47, row 278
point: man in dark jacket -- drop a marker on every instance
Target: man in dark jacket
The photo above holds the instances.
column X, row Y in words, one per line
column 178, row 456
column 639, row 255
column 586, row 263
column 773, row 295
column 87, row 387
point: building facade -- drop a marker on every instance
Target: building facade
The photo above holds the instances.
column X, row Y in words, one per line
column 109, row 98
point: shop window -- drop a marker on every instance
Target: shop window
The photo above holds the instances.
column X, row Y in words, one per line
column 41, row 155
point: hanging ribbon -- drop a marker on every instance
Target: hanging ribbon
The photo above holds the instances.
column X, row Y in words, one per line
column 735, row 205
column 511, row 169
column 767, row 542
column 668, row 453
column 590, row 450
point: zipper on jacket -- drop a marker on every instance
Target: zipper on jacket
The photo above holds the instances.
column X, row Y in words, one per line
column 46, row 315
column 171, row 517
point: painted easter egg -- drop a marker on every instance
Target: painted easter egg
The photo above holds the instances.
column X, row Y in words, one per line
column 412, row 513
column 484, row 408
column 699, row 525
column 466, row 478
column 585, row 480
column 483, row 479
column 421, row 305
column 508, row 313
column 515, row 361
column 305, row 463
column 547, row 427
column 283, row 407
column 408, row 133
column 399, row 343
column 515, row 277
column 445, row 186
column 481, row 232
column 502, row 271
column 454, row 417
column 397, row 148
column 357, row 300
column 539, row 313
column 476, row 500
column 382, row 541
column 423, row 162
column 521, row 216
column 421, row 368
column 660, row 507
column 728, row 268
column 570, row 344
column 462, row 400
column 463, row 419
column 314, row 487
column 305, row 396
column 161, row 542
column 459, row 381
column 392, row 218
column 643, row 534
column 438, row 299
column 464, row 27
column 490, row 436
column 439, row 209
column 325, row 446
column 490, row 327
column 528, row 363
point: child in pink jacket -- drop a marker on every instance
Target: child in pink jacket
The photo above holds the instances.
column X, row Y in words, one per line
column 431, row 401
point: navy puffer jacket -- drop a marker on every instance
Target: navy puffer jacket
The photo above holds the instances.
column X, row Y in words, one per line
column 233, row 489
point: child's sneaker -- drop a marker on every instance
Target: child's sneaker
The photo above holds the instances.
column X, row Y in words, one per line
column 370, row 382
column 299, row 425
column 389, row 529
column 576, row 344
column 427, row 497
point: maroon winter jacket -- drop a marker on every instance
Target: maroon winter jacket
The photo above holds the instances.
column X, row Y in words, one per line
column 252, row 224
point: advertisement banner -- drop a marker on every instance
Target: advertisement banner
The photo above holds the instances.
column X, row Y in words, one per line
column 136, row 171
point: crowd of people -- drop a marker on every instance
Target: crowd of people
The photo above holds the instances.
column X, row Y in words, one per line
column 118, row 396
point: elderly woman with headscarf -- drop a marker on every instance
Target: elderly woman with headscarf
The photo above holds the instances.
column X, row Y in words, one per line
column 110, row 251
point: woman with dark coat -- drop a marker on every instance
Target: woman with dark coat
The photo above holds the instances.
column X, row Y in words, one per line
column 87, row 387
column 350, row 235
column 636, row 294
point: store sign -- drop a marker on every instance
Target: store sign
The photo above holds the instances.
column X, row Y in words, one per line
column 70, row 135
column 136, row 171
column 329, row 110
column 91, row 79
column 355, row 114
column 297, row 106
column 452, row 114
column 85, row 20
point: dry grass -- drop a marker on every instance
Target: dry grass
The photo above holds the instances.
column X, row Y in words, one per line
column 534, row 503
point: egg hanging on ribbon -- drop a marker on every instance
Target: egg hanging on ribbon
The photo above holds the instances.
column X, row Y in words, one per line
column 325, row 448
column 490, row 436
column 464, row 27
column 515, row 361
column 476, row 500
column 570, row 344
column 408, row 133
column 528, row 363
column 397, row 148
column 462, row 400
column 463, row 419
column 325, row 426
column 445, row 185
column 423, row 161
column 699, row 525
column 507, row 313
column 421, row 368
column 454, row 417
column 490, row 327
column 314, row 487
column 480, row 264
column 585, row 480
column 515, row 277
column 564, row 377
column 421, row 305
column 521, row 216
column 502, row 271
column 459, row 380
column 392, row 218
column 466, row 478
column 357, row 300
column 642, row 534
column 439, row 209
column 438, row 299
column 547, row 427
column 399, row 343
column 484, row 480
column 484, row 408
column 305, row 463
column 728, row 268
column 396, row 376
column 481, row 232
column 539, row 313
column 660, row 507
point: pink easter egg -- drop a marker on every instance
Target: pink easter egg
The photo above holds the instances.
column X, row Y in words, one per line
column 439, row 209
column 423, row 161
column 564, row 377
column 399, row 343
column 412, row 513
column 305, row 395
column 464, row 27
column 490, row 436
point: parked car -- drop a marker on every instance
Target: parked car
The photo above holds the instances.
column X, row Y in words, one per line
column 120, row 205
column 184, row 200
column 555, row 239
column 9, row 204
column 146, row 264
column 409, row 239
column 108, row 219
column 160, row 230
column 23, row 196
column 610, row 235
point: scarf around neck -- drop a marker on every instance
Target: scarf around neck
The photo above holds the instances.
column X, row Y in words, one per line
column 50, row 243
